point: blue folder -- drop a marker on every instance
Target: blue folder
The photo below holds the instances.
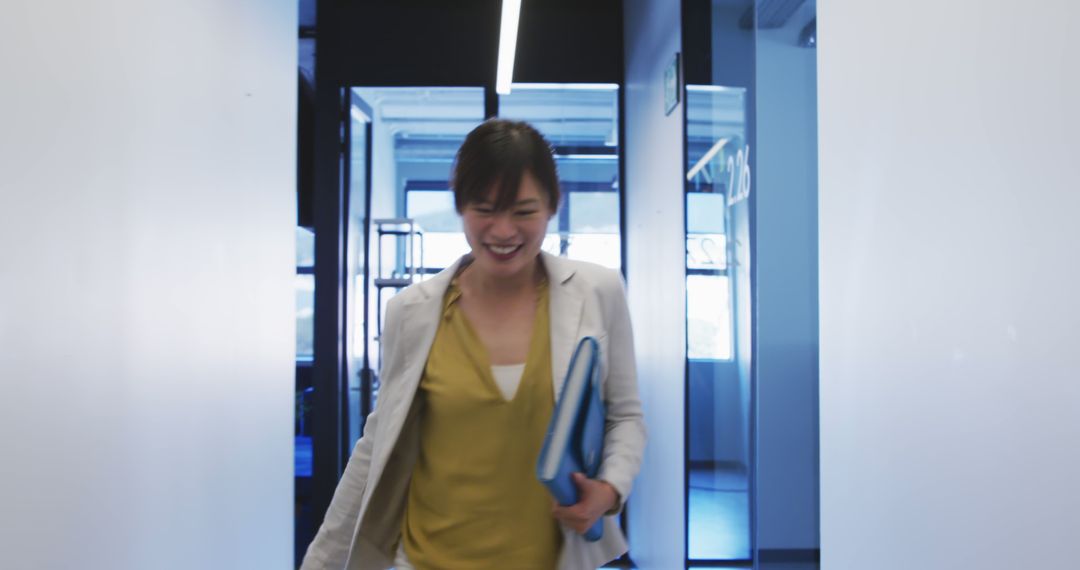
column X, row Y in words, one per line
column 575, row 436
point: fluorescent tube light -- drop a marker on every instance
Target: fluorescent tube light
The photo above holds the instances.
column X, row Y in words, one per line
column 511, row 13
column 705, row 159
column 713, row 88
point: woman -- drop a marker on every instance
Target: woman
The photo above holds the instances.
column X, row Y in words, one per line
column 445, row 474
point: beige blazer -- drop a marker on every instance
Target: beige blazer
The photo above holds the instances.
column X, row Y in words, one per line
column 361, row 529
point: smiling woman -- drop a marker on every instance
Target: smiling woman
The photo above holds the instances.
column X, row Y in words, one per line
column 501, row 238
column 444, row 475
column 506, row 190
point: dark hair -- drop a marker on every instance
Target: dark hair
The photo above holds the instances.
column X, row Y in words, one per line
column 500, row 152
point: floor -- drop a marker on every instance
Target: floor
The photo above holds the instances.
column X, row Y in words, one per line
column 719, row 517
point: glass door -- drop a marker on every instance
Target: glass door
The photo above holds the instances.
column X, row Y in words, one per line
column 414, row 230
column 718, row 327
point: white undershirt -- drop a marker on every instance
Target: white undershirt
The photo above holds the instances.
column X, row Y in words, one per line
column 401, row 560
column 508, row 377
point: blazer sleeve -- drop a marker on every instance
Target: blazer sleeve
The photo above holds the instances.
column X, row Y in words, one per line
column 625, row 435
column 330, row 548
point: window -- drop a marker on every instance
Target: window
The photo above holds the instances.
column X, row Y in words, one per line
column 433, row 210
column 581, row 121
column 708, row 291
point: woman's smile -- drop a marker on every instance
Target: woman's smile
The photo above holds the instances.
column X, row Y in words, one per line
column 503, row 252
column 506, row 242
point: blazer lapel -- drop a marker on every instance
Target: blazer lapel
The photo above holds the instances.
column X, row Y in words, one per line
column 420, row 321
column 566, row 308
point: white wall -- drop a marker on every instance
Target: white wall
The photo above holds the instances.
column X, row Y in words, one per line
column 655, row 252
column 950, row 375
column 147, row 214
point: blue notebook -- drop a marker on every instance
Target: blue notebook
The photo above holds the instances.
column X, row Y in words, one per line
column 575, row 436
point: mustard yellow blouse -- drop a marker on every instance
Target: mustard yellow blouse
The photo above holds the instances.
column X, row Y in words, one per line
column 474, row 501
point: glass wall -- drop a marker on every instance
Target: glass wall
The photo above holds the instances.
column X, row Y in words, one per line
column 716, row 153
column 717, row 277
column 718, row 63
column 416, row 132
column 750, row 223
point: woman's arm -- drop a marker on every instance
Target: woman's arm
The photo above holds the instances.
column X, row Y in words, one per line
column 330, row 548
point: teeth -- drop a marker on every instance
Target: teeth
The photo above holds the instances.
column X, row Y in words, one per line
column 502, row 250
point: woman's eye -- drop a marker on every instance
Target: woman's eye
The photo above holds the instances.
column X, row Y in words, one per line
column 524, row 213
column 482, row 210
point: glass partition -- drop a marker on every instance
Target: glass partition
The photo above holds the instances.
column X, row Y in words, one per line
column 416, row 132
column 750, row 105
column 716, row 152
column 718, row 62
column 717, row 282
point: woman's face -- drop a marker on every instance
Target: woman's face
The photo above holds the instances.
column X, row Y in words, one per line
column 506, row 243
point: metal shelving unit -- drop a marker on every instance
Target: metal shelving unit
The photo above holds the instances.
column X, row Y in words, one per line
column 409, row 239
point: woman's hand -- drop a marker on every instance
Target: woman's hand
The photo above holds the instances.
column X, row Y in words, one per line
column 594, row 499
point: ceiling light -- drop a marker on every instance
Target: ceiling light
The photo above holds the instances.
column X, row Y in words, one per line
column 511, row 13
column 704, row 160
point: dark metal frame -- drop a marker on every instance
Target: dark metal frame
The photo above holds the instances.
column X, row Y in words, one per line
column 345, row 166
column 367, row 375
column 330, row 410
column 330, row 258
